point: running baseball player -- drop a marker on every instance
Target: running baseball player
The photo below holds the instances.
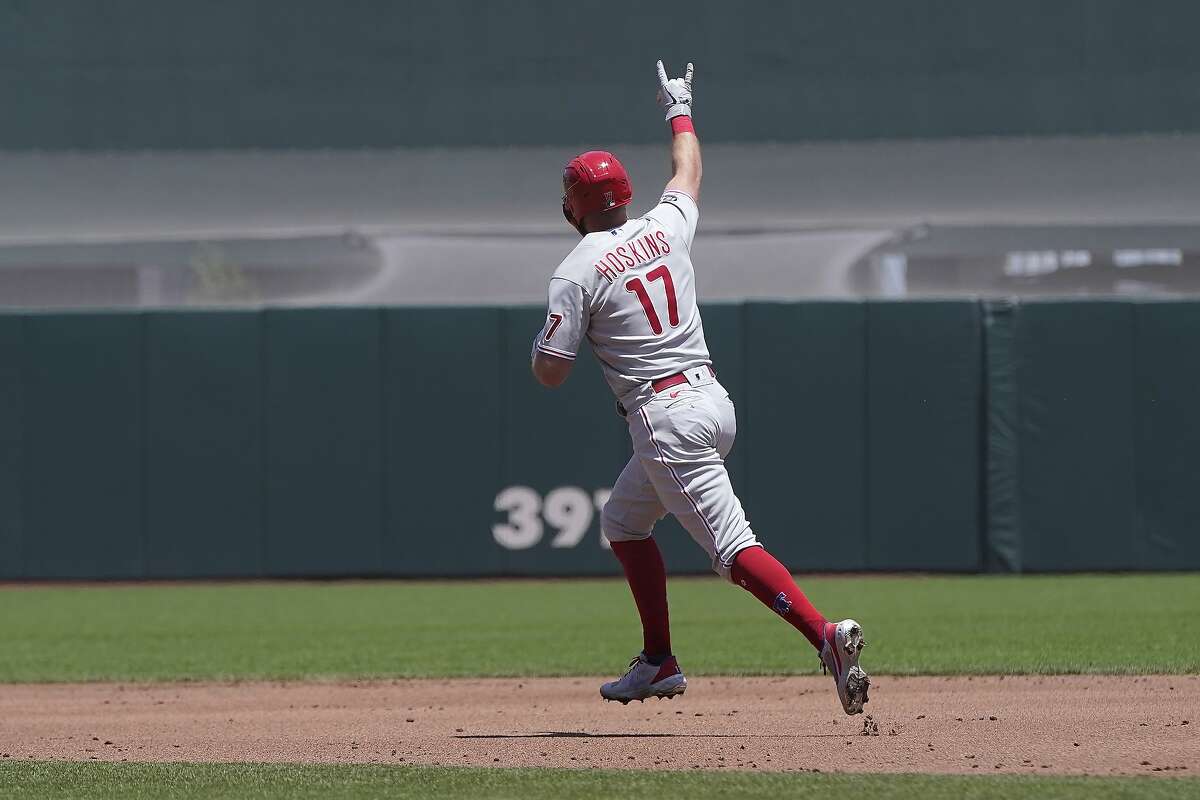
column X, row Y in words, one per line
column 630, row 289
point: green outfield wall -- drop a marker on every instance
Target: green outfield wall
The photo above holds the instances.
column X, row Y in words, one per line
column 934, row 435
column 131, row 75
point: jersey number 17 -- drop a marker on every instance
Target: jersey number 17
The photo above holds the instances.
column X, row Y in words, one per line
column 638, row 288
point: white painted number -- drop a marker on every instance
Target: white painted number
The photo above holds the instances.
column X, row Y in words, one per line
column 523, row 529
column 569, row 510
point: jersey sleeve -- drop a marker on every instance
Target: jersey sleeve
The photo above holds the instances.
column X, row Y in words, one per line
column 677, row 212
column 567, row 317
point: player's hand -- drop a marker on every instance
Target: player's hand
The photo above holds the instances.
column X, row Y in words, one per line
column 675, row 94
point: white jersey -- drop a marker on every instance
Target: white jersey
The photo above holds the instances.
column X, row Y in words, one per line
column 632, row 292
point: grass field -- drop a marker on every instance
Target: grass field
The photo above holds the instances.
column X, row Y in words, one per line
column 914, row 625
column 68, row 781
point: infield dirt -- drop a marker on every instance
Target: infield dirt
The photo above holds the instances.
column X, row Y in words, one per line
column 1101, row 725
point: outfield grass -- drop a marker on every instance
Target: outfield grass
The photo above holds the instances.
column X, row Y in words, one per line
column 70, row 780
column 914, row 625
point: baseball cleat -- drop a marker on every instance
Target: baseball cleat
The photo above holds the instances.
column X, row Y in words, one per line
column 839, row 655
column 644, row 679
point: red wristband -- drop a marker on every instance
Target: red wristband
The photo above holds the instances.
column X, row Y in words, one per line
column 682, row 124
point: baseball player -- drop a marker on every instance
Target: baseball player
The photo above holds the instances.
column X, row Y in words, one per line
column 630, row 289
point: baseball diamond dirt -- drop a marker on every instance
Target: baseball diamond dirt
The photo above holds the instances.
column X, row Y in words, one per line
column 1100, row 725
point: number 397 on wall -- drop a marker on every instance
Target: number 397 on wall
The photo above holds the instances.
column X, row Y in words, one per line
column 568, row 510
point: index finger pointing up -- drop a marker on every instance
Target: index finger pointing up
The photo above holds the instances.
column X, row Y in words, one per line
column 662, row 75
column 687, row 77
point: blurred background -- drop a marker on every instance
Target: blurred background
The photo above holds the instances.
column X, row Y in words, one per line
column 898, row 197
column 220, row 153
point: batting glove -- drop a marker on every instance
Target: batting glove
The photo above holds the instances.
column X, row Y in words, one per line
column 675, row 94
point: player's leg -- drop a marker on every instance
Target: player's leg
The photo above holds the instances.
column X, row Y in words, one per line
column 837, row 643
column 762, row 575
column 683, row 449
column 683, row 446
column 627, row 521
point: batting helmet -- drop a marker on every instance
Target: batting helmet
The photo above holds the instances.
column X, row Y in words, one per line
column 593, row 181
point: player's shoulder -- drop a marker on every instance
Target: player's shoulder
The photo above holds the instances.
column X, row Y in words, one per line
column 577, row 266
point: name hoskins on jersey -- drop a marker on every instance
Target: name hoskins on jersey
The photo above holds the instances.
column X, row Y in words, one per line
column 632, row 254
column 630, row 292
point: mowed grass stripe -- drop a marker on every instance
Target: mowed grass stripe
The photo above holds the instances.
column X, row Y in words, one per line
column 915, row 625
column 69, row 780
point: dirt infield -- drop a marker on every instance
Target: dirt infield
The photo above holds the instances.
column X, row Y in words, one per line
column 1079, row 724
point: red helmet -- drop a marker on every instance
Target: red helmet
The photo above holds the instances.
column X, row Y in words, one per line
column 593, row 181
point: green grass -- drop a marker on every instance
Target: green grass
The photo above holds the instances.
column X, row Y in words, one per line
column 914, row 624
column 66, row 780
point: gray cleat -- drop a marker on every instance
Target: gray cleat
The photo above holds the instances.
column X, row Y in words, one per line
column 839, row 655
column 644, row 679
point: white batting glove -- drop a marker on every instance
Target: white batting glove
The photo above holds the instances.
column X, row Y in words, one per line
column 675, row 94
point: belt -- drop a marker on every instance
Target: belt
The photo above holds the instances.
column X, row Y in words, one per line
column 673, row 380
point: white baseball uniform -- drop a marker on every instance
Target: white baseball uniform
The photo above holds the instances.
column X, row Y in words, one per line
column 632, row 292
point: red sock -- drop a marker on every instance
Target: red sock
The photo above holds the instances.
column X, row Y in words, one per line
column 647, row 578
column 758, row 572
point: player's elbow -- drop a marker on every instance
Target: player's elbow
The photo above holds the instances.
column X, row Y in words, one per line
column 687, row 179
column 548, row 379
column 551, row 372
column 694, row 165
column 696, row 172
column 689, row 166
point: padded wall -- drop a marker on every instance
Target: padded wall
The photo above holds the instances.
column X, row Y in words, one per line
column 941, row 435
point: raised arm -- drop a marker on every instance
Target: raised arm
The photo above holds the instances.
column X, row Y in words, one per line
column 675, row 96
